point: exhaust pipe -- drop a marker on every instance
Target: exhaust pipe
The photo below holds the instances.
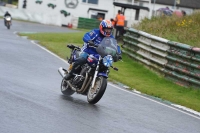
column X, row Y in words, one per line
column 62, row 71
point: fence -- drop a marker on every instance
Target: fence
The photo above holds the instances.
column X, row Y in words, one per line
column 86, row 23
column 178, row 62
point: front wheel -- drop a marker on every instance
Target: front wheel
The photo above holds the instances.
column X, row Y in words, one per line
column 8, row 25
column 65, row 88
column 95, row 94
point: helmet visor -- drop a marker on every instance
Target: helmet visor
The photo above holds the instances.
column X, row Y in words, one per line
column 108, row 31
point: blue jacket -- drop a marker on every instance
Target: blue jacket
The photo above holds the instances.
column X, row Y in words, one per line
column 96, row 36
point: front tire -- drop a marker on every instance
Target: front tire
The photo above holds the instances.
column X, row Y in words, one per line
column 95, row 94
column 8, row 25
column 65, row 88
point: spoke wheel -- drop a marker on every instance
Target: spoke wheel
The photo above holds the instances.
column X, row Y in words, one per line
column 65, row 88
column 95, row 93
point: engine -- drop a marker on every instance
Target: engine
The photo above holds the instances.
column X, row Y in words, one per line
column 79, row 79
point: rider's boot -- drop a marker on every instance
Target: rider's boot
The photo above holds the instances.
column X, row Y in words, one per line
column 68, row 76
column 75, row 68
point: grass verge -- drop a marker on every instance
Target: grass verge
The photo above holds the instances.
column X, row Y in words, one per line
column 184, row 29
column 130, row 72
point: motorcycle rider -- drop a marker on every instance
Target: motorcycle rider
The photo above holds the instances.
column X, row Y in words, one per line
column 95, row 37
column 5, row 15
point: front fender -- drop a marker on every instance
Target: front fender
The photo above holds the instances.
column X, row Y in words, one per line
column 103, row 74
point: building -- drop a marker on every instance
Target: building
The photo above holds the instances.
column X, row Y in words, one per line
column 79, row 8
column 61, row 12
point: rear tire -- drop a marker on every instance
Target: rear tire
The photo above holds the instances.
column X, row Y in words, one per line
column 95, row 94
column 65, row 88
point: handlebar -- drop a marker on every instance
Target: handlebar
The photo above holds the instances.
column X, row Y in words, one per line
column 115, row 68
column 71, row 46
column 91, row 44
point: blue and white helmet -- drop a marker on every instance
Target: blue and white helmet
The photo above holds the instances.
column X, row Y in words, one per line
column 106, row 27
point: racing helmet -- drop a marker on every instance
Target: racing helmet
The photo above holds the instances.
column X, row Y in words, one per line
column 106, row 27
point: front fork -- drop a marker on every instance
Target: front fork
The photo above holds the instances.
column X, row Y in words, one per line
column 96, row 72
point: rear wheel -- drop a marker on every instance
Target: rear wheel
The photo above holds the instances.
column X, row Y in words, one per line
column 95, row 94
column 65, row 88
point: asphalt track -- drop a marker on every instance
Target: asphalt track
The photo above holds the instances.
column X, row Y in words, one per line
column 31, row 101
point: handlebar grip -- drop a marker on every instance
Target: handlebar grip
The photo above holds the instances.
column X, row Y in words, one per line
column 71, row 46
column 91, row 43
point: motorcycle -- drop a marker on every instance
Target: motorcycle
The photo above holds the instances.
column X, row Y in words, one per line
column 92, row 78
column 8, row 21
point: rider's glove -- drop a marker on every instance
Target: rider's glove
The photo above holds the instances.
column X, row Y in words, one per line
column 91, row 43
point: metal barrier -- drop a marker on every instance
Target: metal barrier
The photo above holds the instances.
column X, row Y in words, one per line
column 178, row 62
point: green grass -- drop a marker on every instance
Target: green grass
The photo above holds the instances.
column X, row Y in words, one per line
column 130, row 72
column 140, row 78
column 57, row 42
column 184, row 30
column 15, row 3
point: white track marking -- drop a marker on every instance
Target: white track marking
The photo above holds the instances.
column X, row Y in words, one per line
column 158, row 102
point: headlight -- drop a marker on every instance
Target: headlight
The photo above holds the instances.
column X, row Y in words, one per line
column 108, row 60
column 8, row 18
